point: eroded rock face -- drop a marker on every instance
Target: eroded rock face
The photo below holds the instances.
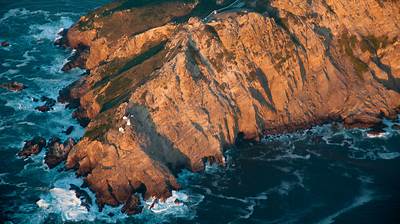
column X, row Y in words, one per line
column 165, row 95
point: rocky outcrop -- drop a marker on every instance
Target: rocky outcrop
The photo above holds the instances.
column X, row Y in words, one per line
column 13, row 86
column 48, row 104
column 168, row 90
column 57, row 151
column 32, row 147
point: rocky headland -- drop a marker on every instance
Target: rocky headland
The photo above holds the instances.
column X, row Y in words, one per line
column 170, row 85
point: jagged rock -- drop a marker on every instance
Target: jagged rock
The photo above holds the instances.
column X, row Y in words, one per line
column 57, row 151
column 62, row 41
column 49, row 104
column 190, row 86
column 13, row 86
column 32, row 147
column 78, row 59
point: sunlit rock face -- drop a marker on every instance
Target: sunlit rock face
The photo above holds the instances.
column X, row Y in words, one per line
column 168, row 90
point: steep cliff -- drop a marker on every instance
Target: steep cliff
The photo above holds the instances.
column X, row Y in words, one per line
column 168, row 89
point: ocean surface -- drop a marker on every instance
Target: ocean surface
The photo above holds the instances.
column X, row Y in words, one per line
column 322, row 175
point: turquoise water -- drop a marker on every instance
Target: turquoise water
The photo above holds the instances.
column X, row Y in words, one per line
column 323, row 175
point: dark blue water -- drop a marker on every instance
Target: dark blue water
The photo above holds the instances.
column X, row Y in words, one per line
column 323, row 175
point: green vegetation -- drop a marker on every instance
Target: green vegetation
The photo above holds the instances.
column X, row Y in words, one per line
column 372, row 43
column 347, row 44
column 97, row 131
column 117, row 67
column 279, row 59
column 126, row 75
column 88, row 24
column 103, row 123
column 128, row 4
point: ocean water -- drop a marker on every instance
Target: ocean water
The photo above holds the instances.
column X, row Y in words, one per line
column 323, row 175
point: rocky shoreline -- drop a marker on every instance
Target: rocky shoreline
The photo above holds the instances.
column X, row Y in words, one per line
column 166, row 90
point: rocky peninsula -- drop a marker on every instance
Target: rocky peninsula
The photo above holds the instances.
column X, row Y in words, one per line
column 170, row 84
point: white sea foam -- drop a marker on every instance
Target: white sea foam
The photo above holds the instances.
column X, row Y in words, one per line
column 21, row 12
column 377, row 135
column 6, row 64
column 389, row 155
column 211, row 168
column 43, row 204
column 180, row 204
column 289, row 156
column 366, row 196
column 176, row 200
column 12, row 71
column 27, row 58
column 49, row 30
column 65, row 202
column 2, row 177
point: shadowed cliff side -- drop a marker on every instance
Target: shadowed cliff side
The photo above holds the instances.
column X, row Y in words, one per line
column 167, row 90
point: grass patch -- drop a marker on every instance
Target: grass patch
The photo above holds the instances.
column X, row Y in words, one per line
column 372, row 43
column 347, row 44
column 118, row 67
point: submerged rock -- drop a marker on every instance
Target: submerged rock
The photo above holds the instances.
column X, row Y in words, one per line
column 32, row 147
column 57, row 151
column 4, row 44
column 69, row 130
column 191, row 87
column 13, row 86
column 49, row 104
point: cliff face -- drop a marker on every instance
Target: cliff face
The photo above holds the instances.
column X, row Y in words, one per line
column 167, row 90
